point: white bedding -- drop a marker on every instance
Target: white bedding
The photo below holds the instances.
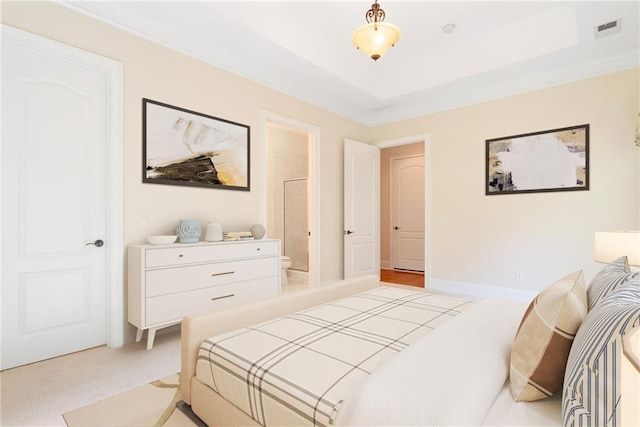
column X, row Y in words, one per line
column 295, row 370
column 506, row 412
column 448, row 377
column 454, row 375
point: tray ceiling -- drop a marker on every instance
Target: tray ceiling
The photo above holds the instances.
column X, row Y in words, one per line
column 303, row 48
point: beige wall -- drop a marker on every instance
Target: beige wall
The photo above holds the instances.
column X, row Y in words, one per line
column 478, row 240
column 385, row 198
column 484, row 240
column 155, row 72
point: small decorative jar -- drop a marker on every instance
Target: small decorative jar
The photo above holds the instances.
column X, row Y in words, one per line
column 257, row 231
column 188, row 231
column 213, row 233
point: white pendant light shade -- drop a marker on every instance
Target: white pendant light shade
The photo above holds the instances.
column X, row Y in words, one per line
column 374, row 39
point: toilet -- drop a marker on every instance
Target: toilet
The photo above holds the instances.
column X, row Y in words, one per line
column 285, row 262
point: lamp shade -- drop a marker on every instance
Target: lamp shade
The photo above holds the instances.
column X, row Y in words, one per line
column 610, row 245
column 375, row 38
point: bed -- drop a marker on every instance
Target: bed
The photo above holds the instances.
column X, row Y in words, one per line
column 422, row 359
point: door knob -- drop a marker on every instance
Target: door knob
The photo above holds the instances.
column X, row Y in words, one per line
column 349, row 232
column 97, row 243
column 395, row 228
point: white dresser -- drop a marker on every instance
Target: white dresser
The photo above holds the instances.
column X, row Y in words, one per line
column 169, row 282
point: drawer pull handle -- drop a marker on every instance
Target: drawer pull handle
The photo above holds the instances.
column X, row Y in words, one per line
column 257, row 249
column 222, row 274
column 180, row 256
column 223, row 297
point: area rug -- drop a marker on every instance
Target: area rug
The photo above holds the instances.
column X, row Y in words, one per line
column 149, row 405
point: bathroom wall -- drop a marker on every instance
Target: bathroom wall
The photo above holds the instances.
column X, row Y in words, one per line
column 287, row 159
column 296, row 223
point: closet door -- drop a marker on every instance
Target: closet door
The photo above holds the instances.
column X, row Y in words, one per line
column 54, row 201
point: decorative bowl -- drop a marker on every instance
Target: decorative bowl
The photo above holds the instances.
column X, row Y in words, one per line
column 161, row 240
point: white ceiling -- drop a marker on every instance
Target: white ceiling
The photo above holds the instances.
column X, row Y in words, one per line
column 303, row 48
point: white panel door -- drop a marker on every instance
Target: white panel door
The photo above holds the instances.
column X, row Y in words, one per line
column 54, row 139
column 407, row 213
column 361, row 209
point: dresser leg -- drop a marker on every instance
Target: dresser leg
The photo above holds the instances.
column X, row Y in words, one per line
column 139, row 334
column 150, row 337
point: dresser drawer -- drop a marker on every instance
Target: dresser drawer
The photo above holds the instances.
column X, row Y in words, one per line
column 163, row 257
column 166, row 308
column 180, row 279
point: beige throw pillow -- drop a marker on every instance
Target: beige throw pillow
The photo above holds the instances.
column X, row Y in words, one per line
column 543, row 341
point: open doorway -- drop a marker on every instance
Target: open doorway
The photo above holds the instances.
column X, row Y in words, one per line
column 291, row 196
column 404, row 211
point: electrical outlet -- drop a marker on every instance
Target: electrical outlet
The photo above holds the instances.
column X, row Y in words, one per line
column 144, row 223
column 519, row 276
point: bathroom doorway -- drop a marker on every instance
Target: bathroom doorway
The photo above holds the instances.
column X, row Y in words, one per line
column 291, row 190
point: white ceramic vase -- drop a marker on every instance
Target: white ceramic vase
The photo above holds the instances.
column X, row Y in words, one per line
column 188, row 231
column 213, row 233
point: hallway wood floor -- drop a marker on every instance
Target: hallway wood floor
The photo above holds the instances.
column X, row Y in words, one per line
column 403, row 277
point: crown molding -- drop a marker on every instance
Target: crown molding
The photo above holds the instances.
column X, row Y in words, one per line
column 343, row 99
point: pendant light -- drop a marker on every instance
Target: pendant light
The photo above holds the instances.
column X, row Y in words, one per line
column 375, row 37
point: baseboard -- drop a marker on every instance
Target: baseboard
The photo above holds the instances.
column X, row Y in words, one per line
column 478, row 291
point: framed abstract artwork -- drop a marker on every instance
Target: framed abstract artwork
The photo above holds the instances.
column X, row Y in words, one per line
column 550, row 160
column 184, row 147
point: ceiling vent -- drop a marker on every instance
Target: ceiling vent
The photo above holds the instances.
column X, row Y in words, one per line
column 608, row 28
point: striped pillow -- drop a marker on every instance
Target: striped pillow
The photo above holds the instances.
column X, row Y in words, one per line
column 542, row 343
column 607, row 279
column 591, row 395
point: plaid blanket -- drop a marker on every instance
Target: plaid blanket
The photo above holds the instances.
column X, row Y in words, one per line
column 297, row 369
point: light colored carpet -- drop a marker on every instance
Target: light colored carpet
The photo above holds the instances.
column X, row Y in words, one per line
column 39, row 393
column 152, row 404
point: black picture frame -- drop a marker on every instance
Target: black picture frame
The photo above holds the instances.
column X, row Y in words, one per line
column 545, row 161
column 188, row 148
